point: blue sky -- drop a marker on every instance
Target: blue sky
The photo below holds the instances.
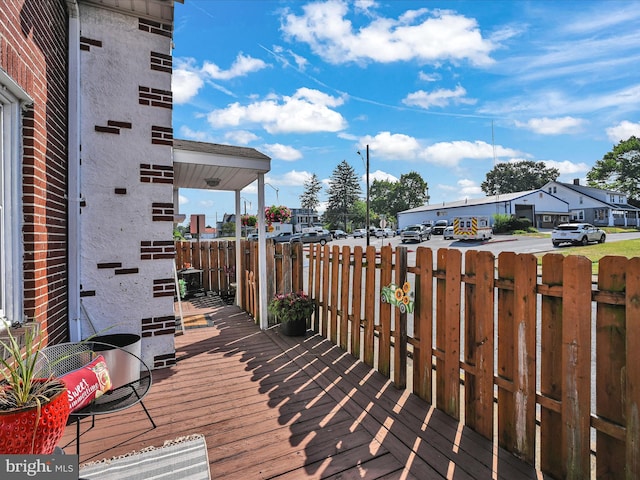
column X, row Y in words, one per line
column 443, row 88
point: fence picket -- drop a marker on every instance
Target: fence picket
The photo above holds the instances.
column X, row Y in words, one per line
column 611, row 344
column 479, row 342
column 551, row 367
column 576, row 361
column 632, row 393
column 423, row 324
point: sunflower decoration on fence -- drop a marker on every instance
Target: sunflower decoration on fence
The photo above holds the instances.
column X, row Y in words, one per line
column 275, row 214
column 401, row 297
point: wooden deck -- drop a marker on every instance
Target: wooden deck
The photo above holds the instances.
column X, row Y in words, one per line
column 292, row 408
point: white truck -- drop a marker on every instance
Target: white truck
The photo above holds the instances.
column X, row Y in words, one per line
column 472, row 228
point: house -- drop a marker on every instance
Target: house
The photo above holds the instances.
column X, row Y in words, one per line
column 539, row 206
column 91, row 171
column 594, row 205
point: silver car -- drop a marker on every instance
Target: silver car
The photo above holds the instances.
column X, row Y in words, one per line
column 577, row 234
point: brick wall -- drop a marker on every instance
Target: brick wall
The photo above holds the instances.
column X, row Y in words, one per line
column 33, row 51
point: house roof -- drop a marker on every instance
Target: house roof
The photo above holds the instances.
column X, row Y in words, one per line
column 211, row 166
column 592, row 192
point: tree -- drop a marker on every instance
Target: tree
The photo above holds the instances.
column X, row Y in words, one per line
column 619, row 169
column 343, row 192
column 389, row 198
column 517, row 177
column 309, row 198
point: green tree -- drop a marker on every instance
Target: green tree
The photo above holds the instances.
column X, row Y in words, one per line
column 343, row 192
column 389, row 198
column 228, row 229
column 619, row 169
column 517, row 177
column 309, row 198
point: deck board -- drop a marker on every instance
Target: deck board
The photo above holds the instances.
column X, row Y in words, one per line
column 291, row 408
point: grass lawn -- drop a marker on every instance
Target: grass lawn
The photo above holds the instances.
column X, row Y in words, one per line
column 623, row 248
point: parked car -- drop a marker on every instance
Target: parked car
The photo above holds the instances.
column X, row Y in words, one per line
column 378, row 233
column 415, row 233
column 439, row 226
column 253, row 237
column 577, row 234
column 337, row 234
column 282, row 237
column 312, row 237
column 388, row 232
column 360, row 233
column 447, row 233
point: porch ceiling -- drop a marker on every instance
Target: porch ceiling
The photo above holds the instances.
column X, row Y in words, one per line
column 210, row 166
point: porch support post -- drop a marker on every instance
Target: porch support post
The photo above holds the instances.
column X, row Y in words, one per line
column 262, row 257
column 239, row 271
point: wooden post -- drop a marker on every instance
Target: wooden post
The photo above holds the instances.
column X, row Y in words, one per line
column 423, row 325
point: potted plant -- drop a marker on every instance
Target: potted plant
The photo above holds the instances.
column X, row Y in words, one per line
column 292, row 311
column 33, row 410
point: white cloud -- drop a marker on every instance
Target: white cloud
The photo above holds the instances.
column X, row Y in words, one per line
column 450, row 153
column 307, row 110
column 187, row 79
column 398, row 146
column 294, row 178
column 552, row 126
column 380, row 176
column 623, row 131
column 423, row 35
column 566, row 167
column 390, row 146
column 429, row 77
column 242, row 66
column 206, row 203
column 182, row 200
column 241, row 137
column 282, row 152
column 185, row 85
column 199, row 136
column 438, row 98
column 468, row 188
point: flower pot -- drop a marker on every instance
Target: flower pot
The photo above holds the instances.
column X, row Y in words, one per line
column 28, row 431
column 294, row 328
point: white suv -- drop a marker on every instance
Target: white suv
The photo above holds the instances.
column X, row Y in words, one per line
column 415, row 233
column 577, row 233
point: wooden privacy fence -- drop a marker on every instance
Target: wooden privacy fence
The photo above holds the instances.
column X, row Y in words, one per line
column 553, row 357
column 542, row 358
column 217, row 261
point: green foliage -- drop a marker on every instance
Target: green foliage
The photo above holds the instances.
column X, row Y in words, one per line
column 619, row 169
column 249, row 220
column 518, row 177
column 20, row 373
column 291, row 306
column 228, row 229
column 278, row 213
column 389, row 198
column 504, row 223
column 344, row 190
column 309, row 198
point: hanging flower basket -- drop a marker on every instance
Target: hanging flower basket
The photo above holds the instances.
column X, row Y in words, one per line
column 274, row 214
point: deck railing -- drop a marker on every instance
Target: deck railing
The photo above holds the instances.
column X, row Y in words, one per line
column 544, row 359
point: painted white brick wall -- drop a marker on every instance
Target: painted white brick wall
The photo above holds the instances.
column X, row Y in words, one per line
column 113, row 225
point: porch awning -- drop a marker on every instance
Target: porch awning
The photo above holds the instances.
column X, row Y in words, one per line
column 211, row 166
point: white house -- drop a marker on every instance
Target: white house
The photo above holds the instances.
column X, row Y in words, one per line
column 594, row 205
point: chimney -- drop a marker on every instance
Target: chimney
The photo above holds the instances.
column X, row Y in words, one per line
column 576, row 181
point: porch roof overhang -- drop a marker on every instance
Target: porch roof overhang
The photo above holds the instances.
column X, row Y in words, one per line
column 211, row 166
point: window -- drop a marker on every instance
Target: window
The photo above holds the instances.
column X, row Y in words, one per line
column 12, row 98
column 612, row 198
column 577, row 215
column 600, row 214
column 546, row 218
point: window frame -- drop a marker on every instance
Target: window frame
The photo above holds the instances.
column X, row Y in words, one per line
column 13, row 99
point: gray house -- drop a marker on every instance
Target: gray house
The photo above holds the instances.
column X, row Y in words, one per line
column 594, row 205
